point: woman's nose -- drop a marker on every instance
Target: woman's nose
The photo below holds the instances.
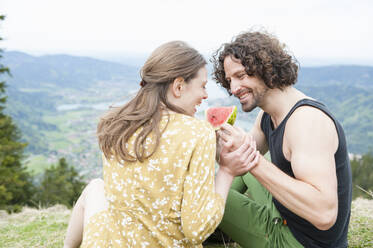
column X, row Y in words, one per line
column 205, row 95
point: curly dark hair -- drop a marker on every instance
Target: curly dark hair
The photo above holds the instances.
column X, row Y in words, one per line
column 262, row 55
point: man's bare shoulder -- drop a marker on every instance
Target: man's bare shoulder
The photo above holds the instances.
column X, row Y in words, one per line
column 308, row 116
column 312, row 128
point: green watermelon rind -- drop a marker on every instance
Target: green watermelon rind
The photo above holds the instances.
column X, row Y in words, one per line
column 230, row 120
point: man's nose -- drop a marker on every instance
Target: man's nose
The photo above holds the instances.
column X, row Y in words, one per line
column 235, row 86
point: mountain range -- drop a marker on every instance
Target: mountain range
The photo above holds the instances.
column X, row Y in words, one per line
column 39, row 84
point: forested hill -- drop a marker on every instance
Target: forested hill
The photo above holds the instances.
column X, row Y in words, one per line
column 62, row 70
column 56, row 99
column 38, row 85
column 356, row 76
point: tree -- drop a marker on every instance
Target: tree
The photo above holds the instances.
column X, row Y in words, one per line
column 61, row 184
column 362, row 175
column 16, row 188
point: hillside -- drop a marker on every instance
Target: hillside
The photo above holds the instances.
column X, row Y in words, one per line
column 62, row 71
column 46, row 227
column 39, row 86
column 57, row 100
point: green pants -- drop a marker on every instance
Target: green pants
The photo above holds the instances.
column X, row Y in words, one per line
column 251, row 219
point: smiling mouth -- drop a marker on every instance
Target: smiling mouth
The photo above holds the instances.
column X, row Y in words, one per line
column 243, row 95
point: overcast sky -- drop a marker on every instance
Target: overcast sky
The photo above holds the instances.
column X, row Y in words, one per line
column 316, row 31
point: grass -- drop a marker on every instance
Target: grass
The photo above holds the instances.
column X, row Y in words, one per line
column 34, row 228
column 361, row 226
column 47, row 227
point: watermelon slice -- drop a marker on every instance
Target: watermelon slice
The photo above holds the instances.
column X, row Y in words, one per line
column 217, row 116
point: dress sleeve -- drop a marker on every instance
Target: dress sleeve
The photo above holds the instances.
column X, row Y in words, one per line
column 202, row 208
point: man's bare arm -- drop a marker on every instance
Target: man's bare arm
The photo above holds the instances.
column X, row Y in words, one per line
column 258, row 135
column 310, row 142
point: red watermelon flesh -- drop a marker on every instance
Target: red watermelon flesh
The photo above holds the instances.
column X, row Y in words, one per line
column 217, row 116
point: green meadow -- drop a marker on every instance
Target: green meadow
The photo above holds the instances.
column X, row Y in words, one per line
column 37, row 228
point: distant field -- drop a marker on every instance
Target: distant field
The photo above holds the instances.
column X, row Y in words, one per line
column 75, row 139
column 46, row 227
column 37, row 163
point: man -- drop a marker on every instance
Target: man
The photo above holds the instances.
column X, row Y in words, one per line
column 303, row 196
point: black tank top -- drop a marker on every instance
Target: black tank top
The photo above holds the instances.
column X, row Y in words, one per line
column 306, row 233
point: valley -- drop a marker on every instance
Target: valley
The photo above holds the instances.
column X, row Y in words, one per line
column 56, row 101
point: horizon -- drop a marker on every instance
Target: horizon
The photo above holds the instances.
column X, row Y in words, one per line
column 138, row 60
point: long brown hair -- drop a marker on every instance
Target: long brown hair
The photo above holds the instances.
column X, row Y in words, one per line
column 166, row 63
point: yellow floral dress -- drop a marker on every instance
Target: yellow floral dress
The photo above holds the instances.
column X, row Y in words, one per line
column 169, row 200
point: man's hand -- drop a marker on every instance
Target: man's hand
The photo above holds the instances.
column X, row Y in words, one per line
column 236, row 162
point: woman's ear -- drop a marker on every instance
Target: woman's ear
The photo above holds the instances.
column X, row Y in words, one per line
column 177, row 87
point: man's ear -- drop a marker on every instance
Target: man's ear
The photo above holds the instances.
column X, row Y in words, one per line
column 177, row 87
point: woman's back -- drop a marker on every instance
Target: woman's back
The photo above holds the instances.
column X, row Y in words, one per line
column 159, row 186
column 168, row 200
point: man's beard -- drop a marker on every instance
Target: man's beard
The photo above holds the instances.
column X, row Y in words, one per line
column 257, row 100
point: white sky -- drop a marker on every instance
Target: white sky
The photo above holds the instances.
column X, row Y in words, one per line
column 314, row 30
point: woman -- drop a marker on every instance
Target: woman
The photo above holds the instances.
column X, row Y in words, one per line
column 158, row 160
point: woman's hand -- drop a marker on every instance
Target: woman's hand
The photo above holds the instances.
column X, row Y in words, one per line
column 233, row 136
column 236, row 155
